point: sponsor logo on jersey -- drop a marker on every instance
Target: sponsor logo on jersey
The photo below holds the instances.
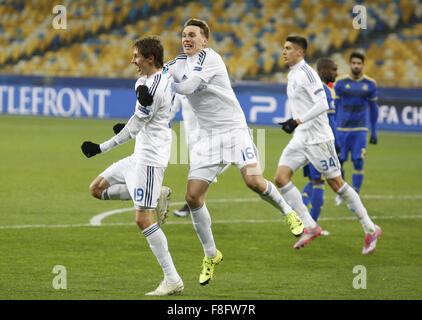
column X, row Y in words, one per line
column 318, row 91
column 197, row 69
column 143, row 109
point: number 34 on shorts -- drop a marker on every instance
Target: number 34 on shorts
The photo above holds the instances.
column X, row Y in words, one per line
column 326, row 164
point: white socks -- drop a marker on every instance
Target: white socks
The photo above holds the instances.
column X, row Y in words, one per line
column 272, row 196
column 355, row 205
column 158, row 244
column 294, row 198
column 116, row 192
column 202, row 224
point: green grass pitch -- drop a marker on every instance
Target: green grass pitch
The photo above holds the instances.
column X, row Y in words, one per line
column 45, row 212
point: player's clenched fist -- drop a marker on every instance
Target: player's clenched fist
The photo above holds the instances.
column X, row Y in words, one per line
column 289, row 126
column 373, row 139
column 143, row 96
column 118, row 127
column 90, row 149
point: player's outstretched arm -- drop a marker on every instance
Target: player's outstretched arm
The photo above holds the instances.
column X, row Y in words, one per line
column 188, row 86
column 124, row 132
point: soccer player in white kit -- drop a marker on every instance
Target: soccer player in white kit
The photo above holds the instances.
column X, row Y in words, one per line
column 140, row 175
column 224, row 137
column 191, row 126
column 313, row 141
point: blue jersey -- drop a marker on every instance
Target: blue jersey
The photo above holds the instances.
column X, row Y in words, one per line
column 331, row 110
column 353, row 100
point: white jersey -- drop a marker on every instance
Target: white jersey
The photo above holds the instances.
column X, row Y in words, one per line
column 149, row 124
column 304, row 90
column 153, row 142
column 190, row 122
column 214, row 102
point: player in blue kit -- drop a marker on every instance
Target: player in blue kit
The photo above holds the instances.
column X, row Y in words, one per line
column 313, row 192
column 356, row 94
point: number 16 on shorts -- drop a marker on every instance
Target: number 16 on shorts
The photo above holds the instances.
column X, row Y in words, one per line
column 248, row 153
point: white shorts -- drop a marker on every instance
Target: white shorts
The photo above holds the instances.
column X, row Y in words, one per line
column 212, row 153
column 143, row 182
column 323, row 156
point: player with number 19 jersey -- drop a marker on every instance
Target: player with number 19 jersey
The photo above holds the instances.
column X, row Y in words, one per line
column 153, row 141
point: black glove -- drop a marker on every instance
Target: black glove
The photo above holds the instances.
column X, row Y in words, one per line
column 373, row 140
column 143, row 96
column 289, row 126
column 90, row 149
column 118, row 127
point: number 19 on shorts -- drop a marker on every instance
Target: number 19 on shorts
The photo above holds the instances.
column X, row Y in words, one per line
column 138, row 194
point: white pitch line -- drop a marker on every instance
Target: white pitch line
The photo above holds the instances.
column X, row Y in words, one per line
column 97, row 219
column 188, row 221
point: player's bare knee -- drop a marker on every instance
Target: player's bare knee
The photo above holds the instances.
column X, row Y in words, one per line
column 281, row 180
column 97, row 187
column 193, row 200
column 141, row 223
column 256, row 183
column 95, row 191
column 336, row 183
column 144, row 218
column 282, row 176
column 253, row 185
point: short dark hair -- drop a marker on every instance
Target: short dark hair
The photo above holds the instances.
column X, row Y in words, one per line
column 151, row 46
column 299, row 41
column 201, row 24
column 358, row 55
column 324, row 63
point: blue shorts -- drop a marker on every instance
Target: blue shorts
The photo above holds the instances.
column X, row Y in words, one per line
column 353, row 141
column 312, row 173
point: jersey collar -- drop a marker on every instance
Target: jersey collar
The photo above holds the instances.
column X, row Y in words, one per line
column 153, row 75
column 298, row 65
column 357, row 80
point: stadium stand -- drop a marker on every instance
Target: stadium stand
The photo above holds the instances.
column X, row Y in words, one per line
column 248, row 34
